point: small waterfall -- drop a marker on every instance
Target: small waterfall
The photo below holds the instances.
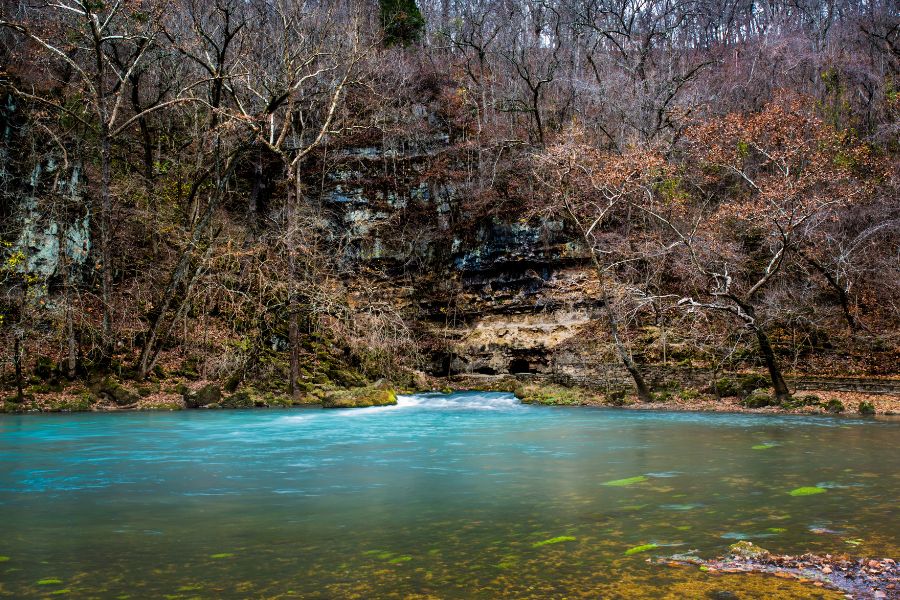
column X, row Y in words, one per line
column 460, row 401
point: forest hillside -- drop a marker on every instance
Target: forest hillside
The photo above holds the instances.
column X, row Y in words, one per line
column 270, row 202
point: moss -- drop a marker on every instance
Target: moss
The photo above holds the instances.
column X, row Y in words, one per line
column 172, row 404
column 554, row 395
column 627, row 481
column 641, row 548
column 400, row 559
column 82, row 402
column 758, row 399
column 233, row 382
column 245, row 398
column 360, row 398
column 866, row 408
column 807, row 491
column 147, row 389
column 834, row 406
column 205, row 396
column 44, row 367
column 556, row 540
column 801, row 401
column 689, row 394
column 663, row 396
column 111, row 389
column 725, row 388
column 747, row 550
column 190, row 368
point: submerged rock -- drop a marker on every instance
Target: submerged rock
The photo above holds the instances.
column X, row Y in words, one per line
column 858, row 578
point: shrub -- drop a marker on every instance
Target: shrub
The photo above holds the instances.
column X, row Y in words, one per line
column 834, row 406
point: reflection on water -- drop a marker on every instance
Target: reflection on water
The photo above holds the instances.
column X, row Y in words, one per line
column 463, row 495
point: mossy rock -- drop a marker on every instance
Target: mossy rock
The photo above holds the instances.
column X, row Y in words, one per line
column 245, row 398
column 752, row 381
column 725, row 388
column 346, row 377
column 747, row 551
column 758, row 399
column 110, row 389
column 554, row 395
column 233, row 382
column 801, row 401
column 360, row 398
column 205, row 396
column 172, row 404
column 866, row 408
column 834, row 406
column 7, row 406
column 82, row 402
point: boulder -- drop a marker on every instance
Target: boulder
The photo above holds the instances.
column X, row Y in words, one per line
column 359, row 398
column 204, row 396
column 758, row 398
column 112, row 390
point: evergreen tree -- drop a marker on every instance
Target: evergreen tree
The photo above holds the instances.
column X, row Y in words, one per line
column 402, row 22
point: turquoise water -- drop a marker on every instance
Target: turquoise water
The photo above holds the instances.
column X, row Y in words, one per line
column 460, row 496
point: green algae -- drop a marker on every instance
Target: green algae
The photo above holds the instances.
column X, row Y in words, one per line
column 776, row 529
column 556, row 540
column 641, row 548
column 764, row 446
column 61, row 592
column 400, row 559
column 4, row 558
column 222, row 555
column 49, row 581
column 625, row 482
column 807, row 491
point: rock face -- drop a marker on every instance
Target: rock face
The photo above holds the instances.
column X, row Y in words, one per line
column 494, row 296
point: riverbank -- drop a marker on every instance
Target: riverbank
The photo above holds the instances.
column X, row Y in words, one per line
column 738, row 393
column 858, row 578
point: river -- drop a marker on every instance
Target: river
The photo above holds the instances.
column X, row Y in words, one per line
column 468, row 495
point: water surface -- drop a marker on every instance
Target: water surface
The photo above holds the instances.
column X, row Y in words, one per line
column 459, row 496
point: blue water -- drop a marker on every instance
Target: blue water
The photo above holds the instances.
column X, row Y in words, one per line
column 440, row 496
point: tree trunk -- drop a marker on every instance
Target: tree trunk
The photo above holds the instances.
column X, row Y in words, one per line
column 157, row 317
column 292, row 308
column 17, row 361
column 105, row 250
column 838, row 289
column 781, row 389
column 643, row 390
column 782, row 393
